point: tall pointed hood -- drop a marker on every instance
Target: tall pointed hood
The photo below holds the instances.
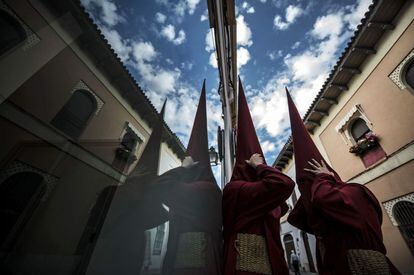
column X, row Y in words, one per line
column 198, row 144
column 304, row 147
column 149, row 161
column 247, row 141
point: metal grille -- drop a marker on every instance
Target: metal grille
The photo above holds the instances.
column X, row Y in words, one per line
column 404, row 215
column 159, row 239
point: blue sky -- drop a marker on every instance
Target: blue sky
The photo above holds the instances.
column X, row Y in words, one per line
column 167, row 46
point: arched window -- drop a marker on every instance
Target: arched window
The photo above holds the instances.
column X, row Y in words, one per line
column 404, row 215
column 19, row 194
column 409, row 75
column 74, row 116
column 359, row 128
column 12, row 33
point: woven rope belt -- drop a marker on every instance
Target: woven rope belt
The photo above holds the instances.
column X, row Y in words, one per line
column 252, row 254
column 367, row 262
column 191, row 250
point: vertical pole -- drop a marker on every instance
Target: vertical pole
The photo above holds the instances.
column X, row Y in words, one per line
column 228, row 133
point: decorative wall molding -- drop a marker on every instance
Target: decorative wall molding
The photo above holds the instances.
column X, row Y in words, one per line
column 397, row 75
column 31, row 37
column 82, row 86
column 129, row 126
column 17, row 166
column 343, row 126
column 389, row 205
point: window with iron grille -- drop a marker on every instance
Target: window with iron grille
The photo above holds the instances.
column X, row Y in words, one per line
column 404, row 215
column 159, row 239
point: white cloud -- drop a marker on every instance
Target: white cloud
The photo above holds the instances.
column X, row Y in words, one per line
column 291, row 14
column 158, row 80
column 328, row 25
column 210, row 40
column 246, row 7
column 144, row 51
column 160, row 18
column 267, row 147
column 296, row 45
column 192, row 5
column 243, row 56
column 180, row 7
column 213, row 60
column 355, row 14
column 169, row 33
column 275, row 54
column 108, row 11
column 204, row 16
column 244, row 34
column 250, row 10
column 305, row 72
column 120, row 46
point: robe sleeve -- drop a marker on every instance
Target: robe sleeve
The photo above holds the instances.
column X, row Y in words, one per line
column 336, row 201
column 261, row 197
column 298, row 217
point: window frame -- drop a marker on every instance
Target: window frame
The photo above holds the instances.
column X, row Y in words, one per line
column 87, row 121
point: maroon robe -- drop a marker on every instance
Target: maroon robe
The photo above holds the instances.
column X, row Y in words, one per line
column 254, row 199
column 194, row 200
column 341, row 216
column 194, row 207
column 253, row 207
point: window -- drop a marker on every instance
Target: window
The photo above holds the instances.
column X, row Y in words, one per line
column 404, row 216
column 19, row 194
column 409, row 75
column 289, row 246
column 159, row 239
column 129, row 141
column 365, row 142
column 74, row 116
column 358, row 129
column 12, row 33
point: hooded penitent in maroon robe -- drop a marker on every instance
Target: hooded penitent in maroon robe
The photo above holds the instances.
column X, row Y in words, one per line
column 253, row 202
column 194, row 202
column 114, row 239
column 345, row 217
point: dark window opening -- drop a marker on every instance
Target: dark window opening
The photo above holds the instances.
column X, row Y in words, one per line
column 404, row 216
column 409, row 75
column 129, row 141
column 12, row 33
column 74, row 116
column 358, row 129
column 19, row 194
